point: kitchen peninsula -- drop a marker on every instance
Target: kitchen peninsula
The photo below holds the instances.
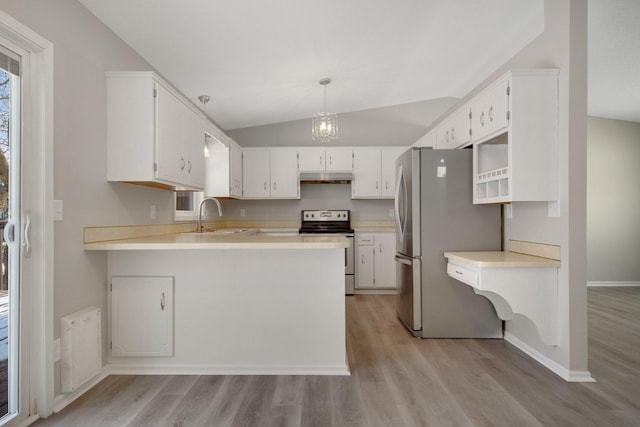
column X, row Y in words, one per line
column 226, row 303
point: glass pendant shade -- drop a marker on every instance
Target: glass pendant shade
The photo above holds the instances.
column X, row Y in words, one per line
column 324, row 125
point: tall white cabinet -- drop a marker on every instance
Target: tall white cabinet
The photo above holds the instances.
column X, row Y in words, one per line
column 155, row 136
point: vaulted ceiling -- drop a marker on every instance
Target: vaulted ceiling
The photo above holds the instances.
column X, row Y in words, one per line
column 261, row 61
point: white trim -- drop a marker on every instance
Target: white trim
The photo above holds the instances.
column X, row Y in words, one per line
column 26, row 421
column 63, row 400
column 552, row 365
column 612, row 284
column 38, row 134
column 188, row 215
column 376, row 292
column 134, row 369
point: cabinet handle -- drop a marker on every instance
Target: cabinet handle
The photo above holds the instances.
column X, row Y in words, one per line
column 380, row 248
column 446, row 136
column 491, row 113
column 459, row 272
column 275, row 185
column 453, row 136
column 162, row 301
column 330, row 160
column 320, row 160
column 482, row 119
column 386, row 185
column 182, row 164
column 377, row 185
column 190, row 167
column 265, row 186
column 362, row 261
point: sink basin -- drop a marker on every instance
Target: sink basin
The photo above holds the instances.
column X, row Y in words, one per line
column 222, row 232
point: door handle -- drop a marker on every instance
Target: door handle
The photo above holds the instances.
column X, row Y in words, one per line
column 403, row 260
column 9, row 233
column 27, row 236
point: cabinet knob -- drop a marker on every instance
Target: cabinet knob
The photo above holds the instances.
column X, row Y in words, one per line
column 491, row 113
column 190, row 167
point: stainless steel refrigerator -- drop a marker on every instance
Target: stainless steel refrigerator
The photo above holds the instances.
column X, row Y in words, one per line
column 435, row 213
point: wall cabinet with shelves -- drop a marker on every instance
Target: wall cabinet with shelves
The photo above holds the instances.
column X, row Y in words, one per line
column 515, row 153
column 155, row 136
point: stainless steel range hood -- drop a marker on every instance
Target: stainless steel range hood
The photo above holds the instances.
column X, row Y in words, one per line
column 325, row 177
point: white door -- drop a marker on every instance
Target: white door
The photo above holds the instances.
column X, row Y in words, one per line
column 284, row 174
column 339, row 160
column 170, row 161
column 255, row 174
column 311, row 160
column 366, row 173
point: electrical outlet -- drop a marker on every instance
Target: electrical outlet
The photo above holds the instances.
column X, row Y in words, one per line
column 152, row 212
column 243, row 212
column 392, row 212
column 553, row 209
column 56, row 350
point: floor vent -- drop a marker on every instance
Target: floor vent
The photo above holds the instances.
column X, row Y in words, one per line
column 80, row 348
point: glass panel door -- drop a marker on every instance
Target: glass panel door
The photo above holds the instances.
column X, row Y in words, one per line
column 10, row 227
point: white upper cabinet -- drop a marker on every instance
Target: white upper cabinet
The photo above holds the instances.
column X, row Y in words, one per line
column 374, row 172
column 223, row 165
column 490, row 111
column 270, row 173
column 321, row 159
column 515, row 152
column 455, row 131
column 155, row 136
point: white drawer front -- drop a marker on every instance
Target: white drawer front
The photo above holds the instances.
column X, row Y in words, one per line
column 365, row 239
column 462, row 274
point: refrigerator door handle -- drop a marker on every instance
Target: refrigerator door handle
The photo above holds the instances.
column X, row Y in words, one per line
column 400, row 185
column 403, row 260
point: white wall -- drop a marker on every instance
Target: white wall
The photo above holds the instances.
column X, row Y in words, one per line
column 395, row 125
column 83, row 50
column 563, row 45
column 613, row 201
column 314, row 196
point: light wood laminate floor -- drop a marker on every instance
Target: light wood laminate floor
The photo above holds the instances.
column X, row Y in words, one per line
column 397, row 380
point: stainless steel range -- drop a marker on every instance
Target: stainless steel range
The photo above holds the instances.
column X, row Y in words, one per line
column 333, row 222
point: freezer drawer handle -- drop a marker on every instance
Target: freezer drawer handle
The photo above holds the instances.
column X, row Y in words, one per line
column 403, row 260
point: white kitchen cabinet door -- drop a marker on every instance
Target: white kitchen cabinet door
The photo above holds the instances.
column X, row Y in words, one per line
column 384, row 262
column 339, row 160
column 235, row 175
column 489, row 111
column 256, row 179
column 311, row 160
column 193, row 149
column 388, row 170
column 364, row 267
column 155, row 136
column 366, row 173
column 141, row 316
column 170, row 160
column 285, row 183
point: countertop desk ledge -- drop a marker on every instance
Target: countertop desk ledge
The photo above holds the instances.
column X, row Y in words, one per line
column 501, row 259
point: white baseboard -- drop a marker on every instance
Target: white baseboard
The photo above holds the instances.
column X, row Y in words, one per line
column 62, row 400
column 376, row 292
column 552, row 365
column 117, row 369
column 26, row 422
column 610, row 284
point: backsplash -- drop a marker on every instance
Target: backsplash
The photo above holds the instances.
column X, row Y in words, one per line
column 314, row 196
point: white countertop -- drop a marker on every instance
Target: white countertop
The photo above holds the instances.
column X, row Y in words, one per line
column 500, row 259
column 185, row 241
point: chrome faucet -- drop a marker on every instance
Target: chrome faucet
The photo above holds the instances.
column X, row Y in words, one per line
column 200, row 211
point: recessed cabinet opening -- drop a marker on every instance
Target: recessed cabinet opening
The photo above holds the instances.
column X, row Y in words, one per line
column 492, row 171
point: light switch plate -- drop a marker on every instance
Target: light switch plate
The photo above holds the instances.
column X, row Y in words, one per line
column 152, row 212
column 508, row 211
column 243, row 212
column 392, row 212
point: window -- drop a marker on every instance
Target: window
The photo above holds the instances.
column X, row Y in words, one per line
column 186, row 204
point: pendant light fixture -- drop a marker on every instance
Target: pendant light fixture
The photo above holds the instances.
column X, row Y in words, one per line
column 324, row 124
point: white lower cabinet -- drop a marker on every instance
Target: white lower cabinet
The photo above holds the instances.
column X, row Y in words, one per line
column 141, row 316
column 375, row 264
